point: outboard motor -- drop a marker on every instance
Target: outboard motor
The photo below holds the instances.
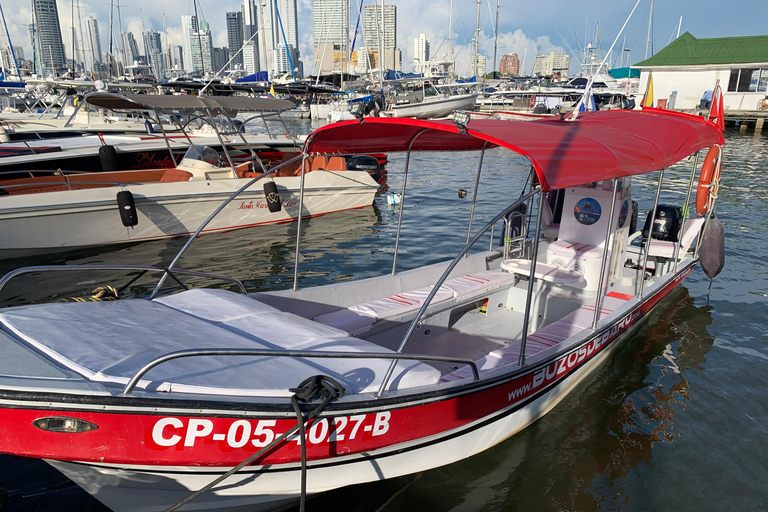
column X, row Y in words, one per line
column 666, row 224
column 365, row 163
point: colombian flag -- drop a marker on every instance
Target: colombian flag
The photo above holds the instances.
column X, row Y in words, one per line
column 271, row 92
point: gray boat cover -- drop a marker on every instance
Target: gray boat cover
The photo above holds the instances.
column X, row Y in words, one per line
column 108, row 342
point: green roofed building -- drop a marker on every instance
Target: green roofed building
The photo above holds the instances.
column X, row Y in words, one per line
column 688, row 67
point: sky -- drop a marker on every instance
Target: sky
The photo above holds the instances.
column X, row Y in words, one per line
column 527, row 28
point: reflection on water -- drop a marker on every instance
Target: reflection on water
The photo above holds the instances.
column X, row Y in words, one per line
column 675, row 420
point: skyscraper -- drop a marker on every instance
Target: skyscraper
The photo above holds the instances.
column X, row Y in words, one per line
column 130, row 47
column 285, row 32
column 380, row 24
column 188, row 27
column 49, row 46
column 235, row 38
column 201, row 49
column 329, row 20
column 420, row 53
column 93, row 43
column 250, row 23
column 153, row 49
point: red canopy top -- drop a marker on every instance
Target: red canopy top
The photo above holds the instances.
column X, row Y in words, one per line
column 594, row 147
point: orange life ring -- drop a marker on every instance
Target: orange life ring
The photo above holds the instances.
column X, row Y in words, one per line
column 710, row 175
column 532, row 101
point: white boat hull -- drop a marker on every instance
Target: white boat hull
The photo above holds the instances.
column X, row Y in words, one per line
column 68, row 219
column 433, row 108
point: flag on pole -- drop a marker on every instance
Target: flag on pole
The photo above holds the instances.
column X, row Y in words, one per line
column 648, row 98
column 271, row 93
column 716, row 113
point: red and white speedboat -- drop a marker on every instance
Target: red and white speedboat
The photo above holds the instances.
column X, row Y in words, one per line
column 144, row 401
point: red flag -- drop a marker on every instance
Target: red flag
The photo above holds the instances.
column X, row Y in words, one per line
column 716, row 112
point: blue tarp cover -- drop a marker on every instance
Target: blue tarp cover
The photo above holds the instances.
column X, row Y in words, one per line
column 261, row 76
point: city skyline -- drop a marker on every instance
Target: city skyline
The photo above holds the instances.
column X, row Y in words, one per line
column 523, row 29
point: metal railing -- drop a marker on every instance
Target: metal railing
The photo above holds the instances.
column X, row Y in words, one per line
column 420, row 316
column 289, row 353
column 143, row 268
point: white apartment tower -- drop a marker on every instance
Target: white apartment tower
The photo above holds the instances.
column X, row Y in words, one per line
column 93, row 43
column 380, row 24
column 330, row 24
column 188, row 28
column 420, row 54
column 278, row 18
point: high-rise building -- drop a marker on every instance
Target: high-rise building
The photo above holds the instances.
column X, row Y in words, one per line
column 555, row 65
column 188, row 27
column 177, row 57
column 93, row 43
column 509, row 65
column 380, row 24
column 153, row 49
column 249, row 20
column 251, row 57
column 201, row 49
column 279, row 41
column 130, row 47
column 420, row 53
column 479, row 65
column 329, row 20
column 235, row 38
column 219, row 58
column 48, row 42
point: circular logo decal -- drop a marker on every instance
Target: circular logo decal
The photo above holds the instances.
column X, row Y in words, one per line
column 623, row 214
column 587, row 211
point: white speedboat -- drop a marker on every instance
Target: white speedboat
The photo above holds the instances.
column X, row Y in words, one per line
column 70, row 210
column 215, row 400
column 422, row 100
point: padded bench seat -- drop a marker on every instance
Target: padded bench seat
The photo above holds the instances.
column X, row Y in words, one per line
column 107, row 342
column 358, row 319
column 544, row 338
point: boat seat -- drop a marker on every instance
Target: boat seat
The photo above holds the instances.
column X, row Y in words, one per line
column 107, row 342
column 359, row 319
column 174, row 175
column 666, row 249
column 544, row 338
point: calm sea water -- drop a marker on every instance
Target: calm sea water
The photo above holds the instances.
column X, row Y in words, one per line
column 676, row 420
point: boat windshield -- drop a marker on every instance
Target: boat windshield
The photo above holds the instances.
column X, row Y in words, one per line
column 202, row 154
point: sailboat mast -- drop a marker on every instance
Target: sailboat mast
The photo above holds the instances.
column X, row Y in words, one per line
column 450, row 29
column 381, row 46
column 199, row 37
column 650, row 24
column 477, row 38
column 122, row 43
column 496, row 38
